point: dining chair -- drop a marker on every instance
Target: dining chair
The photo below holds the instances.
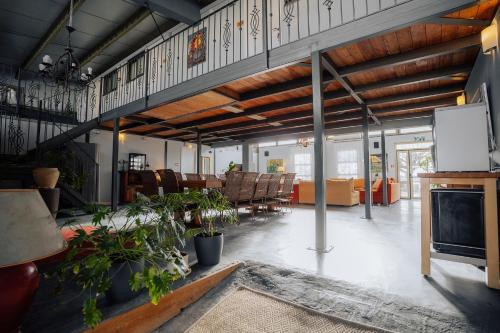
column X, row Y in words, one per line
column 259, row 196
column 247, row 190
column 169, row 181
column 232, row 188
column 149, row 183
column 273, row 189
column 192, row 176
column 285, row 195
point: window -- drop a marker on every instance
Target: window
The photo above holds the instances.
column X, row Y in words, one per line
column 287, row 142
column 303, row 168
column 135, row 67
column 110, row 82
column 415, row 129
column 267, row 144
column 416, row 145
column 347, row 163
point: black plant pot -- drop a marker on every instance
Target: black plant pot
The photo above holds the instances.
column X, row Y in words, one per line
column 120, row 273
column 208, row 249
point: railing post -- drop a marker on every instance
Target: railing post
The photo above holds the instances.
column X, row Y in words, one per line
column 146, row 78
column 265, row 40
column 101, row 86
column 114, row 165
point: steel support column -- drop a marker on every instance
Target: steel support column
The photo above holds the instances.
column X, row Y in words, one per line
column 384, row 169
column 198, row 153
column 319, row 150
column 245, row 156
column 366, row 155
column 114, row 165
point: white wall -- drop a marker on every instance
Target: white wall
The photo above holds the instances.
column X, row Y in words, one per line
column 287, row 153
column 152, row 147
column 225, row 155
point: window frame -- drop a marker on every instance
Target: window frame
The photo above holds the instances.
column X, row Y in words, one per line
column 110, row 82
column 299, row 175
column 347, row 161
column 135, row 61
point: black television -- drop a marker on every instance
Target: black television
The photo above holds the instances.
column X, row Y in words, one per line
column 458, row 222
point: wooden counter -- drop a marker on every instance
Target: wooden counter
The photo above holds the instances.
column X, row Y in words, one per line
column 488, row 181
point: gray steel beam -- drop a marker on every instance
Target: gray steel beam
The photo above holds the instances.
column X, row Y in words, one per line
column 114, row 165
column 384, row 169
column 59, row 23
column 245, row 151
column 186, row 11
column 198, row 153
column 366, row 161
column 131, row 22
column 347, row 85
column 319, row 151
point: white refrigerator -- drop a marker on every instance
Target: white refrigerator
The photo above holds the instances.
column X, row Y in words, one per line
column 461, row 138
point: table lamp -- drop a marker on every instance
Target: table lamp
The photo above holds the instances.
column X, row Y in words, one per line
column 28, row 232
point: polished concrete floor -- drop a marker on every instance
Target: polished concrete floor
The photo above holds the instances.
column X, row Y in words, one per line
column 382, row 253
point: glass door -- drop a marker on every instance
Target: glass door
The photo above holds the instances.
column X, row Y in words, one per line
column 403, row 173
column 420, row 162
column 410, row 164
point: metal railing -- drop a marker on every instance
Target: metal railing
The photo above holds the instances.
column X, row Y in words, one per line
column 231, row 34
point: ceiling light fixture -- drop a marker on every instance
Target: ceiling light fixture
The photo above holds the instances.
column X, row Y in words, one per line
column 66, row 70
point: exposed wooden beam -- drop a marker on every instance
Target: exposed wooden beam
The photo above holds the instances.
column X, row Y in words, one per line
column 337, row 118
column 458, row 21
column 398, row 59
column 54, row 30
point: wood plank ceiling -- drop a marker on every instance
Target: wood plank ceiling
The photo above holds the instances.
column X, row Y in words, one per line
column 401, row 74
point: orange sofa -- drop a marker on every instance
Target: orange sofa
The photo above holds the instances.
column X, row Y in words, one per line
column 393, row 191
column 338, row 192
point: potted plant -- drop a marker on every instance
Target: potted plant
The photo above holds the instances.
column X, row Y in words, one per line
column 126, row 252
column 211, row 207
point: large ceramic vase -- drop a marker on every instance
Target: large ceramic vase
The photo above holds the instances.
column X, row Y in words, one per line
column 120, row 273
column 18, row 285
column 46, row 177
column 208, row 248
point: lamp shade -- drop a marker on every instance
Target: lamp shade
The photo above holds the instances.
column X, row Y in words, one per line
column 28, row 231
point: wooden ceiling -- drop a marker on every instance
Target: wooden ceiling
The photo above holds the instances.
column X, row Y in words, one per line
column 405, row 73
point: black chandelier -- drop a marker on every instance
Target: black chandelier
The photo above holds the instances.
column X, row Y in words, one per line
column 66, row 71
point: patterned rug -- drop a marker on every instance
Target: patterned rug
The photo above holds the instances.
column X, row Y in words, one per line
column 247, row 310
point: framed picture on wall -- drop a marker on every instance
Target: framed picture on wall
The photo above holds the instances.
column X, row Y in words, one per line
column 275, row 166
column 197, row 48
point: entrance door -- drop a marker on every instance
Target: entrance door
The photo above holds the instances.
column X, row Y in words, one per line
column 410, row 164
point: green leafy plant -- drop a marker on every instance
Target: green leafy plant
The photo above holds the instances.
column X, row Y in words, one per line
column 149, row 230
column 211, row 207
column 231, row 166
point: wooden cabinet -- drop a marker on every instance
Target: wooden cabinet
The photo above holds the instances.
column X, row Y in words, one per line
column 130, row 184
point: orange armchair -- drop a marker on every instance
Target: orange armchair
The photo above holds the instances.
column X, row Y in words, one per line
column 393, row 192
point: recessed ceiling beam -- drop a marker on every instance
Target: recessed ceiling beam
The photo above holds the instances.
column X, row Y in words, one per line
column 186, row 11
column 59, row 23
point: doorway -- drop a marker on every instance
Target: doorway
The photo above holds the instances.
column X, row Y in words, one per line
column 411, row 162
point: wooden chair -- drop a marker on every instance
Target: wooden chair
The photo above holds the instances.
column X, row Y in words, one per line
column 273, row 189
column 192, row 176
column 170, row 181
column 149, row 183
column 285, row 195
column 260, row 194
column 247, row 190
column 232, row 188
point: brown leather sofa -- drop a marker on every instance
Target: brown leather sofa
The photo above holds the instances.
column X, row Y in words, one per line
column 338, row 192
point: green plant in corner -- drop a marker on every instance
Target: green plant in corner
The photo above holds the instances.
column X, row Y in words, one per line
column 147, row 230
column 231, row 166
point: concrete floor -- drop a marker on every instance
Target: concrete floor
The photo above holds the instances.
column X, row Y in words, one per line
column 382, row 253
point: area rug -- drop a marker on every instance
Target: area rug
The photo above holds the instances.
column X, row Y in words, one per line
column 250, row 311
column 337, row 298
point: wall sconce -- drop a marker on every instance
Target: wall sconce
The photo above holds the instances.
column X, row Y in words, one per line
column 121, row 137
column 489, row 38
column 461, row 99
column 189, row 145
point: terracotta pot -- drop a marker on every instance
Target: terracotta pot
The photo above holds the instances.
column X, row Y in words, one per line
column 46, row 177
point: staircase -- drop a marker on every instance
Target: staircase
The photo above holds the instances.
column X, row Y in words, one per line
column 41, row 126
